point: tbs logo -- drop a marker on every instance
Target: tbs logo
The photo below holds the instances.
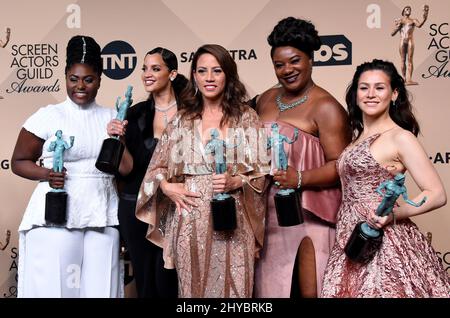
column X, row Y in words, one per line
column 119, row 60
column 335, row 50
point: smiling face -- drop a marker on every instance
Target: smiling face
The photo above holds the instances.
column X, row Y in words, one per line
column 155, row 73
column 374, row 93
column 82, row 84
column 209, row 77
column 292, row 67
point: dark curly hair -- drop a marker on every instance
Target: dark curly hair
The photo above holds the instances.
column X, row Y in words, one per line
column 297, row 33
column 234, row 96
column 84, row 49
column 400, row 112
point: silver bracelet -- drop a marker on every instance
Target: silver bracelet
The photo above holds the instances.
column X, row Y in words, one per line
column 299, row 182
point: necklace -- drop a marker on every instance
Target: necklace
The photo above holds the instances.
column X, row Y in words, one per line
column 165, row 110
column 283, row 107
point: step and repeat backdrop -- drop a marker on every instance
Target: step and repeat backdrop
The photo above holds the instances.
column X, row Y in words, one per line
column 34, row 35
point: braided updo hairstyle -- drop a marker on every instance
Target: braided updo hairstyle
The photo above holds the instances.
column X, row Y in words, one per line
column 84, row 49
column 297, row 33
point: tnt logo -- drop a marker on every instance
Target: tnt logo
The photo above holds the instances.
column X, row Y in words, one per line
column 335, row 50
column 119, row 60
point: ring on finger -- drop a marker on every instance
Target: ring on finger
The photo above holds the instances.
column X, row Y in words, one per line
column 277, row 183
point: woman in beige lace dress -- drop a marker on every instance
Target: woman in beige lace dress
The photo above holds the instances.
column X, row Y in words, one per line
column 175, row 195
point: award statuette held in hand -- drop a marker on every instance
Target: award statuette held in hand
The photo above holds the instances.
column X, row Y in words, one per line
column 56, row 199
column 287, row 201
column 365, row 241
column 112, row 149
column 223, row 205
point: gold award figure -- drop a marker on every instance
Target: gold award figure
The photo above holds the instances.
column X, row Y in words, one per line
column 406, row 26
column 4, row 43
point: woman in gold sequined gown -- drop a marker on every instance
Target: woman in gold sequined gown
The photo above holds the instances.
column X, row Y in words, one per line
column 174, row 198
column 385, row 144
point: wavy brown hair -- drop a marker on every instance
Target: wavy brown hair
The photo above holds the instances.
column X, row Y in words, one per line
column 234, row 95
column 400, row 112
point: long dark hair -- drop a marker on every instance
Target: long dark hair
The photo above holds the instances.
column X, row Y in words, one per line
column 234, row 95
column 400, row 112
column 170, row 59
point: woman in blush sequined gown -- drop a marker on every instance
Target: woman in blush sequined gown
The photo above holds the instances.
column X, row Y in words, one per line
column 209, row 263
column 385, row 144
column 298, row 103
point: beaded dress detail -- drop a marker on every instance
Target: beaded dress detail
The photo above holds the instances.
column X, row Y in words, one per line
column 405, row 266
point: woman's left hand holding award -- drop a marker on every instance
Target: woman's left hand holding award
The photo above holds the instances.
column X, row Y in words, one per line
column 56, row 199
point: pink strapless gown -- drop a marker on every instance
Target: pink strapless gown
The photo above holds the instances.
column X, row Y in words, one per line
column 405, row 266
column 273, row 273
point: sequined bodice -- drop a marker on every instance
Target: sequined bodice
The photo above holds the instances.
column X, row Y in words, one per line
column 405, row 265
column 360, row 173
column 360, row 176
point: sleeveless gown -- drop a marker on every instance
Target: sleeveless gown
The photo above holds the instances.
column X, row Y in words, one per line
column 405, row 266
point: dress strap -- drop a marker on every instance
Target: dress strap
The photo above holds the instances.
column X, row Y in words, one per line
column 381, row 133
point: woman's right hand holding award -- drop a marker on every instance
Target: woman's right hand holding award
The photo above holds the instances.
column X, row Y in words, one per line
column 112, row 148
column 287, row 201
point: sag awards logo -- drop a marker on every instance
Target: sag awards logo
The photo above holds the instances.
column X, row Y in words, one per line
column 11, row 290
column 335, row 50
column 34, row 64
column 5, row 164
column 4, row 43
column 440, row 158
column 119, row 60
column 440, row 43
column 444, row 258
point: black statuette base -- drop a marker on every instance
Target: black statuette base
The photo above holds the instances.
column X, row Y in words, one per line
column 288, row 207
column 360, row 247
column 55, row 207
column 224, row 214
column 110, row 155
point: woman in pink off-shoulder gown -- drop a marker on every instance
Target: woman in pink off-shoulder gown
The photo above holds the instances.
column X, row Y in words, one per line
column 323, row 134
column 405, row 265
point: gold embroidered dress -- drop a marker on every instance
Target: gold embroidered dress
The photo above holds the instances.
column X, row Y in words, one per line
column 208, row 263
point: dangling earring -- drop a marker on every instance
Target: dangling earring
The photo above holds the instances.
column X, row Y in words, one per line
column 394, row 104
column 196, row 88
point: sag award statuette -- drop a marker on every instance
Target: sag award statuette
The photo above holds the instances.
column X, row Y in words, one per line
column 365, row 241
column 112, row 149
column 405, row 27
column 56, row 199
column 223, row 205
column 287, row 201
column 8, row 237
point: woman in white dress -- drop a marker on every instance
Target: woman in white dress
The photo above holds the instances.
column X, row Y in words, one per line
column 79, row 258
